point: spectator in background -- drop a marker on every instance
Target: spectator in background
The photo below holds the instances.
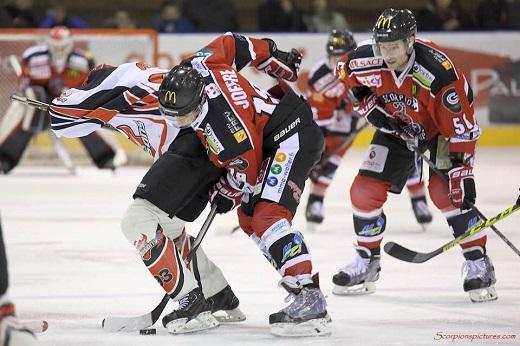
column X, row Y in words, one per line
column 57, row 16
column 211, row 16
column 18, row 14
column 171, row 19
column 280, row 15
column 121, row 20
column 324, row 20
column 492, row 14
column 443, row 15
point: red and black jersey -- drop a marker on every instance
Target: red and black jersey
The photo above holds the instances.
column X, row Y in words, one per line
column 431, row 96
column 37, row 69
column 234, row 124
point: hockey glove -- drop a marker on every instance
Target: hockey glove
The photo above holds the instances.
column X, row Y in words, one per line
column 225, row 196
column 281, row 64
column 462, row 184
column 375, row 114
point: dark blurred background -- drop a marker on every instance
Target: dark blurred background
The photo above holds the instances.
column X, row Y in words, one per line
column 252, row 16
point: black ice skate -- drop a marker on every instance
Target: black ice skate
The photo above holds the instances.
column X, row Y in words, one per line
column 359, row 276
column 314, row 211
column 421, row 211
column 193, row 314
column 224, row 306
column 479, row 280
column 306, row 315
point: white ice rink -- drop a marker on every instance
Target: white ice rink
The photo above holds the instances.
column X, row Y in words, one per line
column 70, row 264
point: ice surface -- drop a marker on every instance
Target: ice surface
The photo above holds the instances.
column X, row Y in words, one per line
column 71, row 265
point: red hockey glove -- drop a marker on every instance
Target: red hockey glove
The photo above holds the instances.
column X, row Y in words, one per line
column 375, row 114
column 225, row 196
column 281, row 64
column 462, row 186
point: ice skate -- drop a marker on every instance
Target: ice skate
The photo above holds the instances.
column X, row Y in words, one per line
column 359, row 276
column 421, row 211
column 314, row 212
column 306, row 315
column 224, row 306
column 193, row 314
column 479, row 280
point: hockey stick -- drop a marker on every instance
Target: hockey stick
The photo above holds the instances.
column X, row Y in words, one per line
column 411, row 144
column 404, row 254
column 30, row 102
column 130, row 324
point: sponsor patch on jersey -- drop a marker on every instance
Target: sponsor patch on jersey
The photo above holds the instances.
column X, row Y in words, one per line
column 422, row 74
column 212, row 142
column 373, row 80
column 447, row 65
column 375, row 160
column 278, row 172
column 235, row 127
column 450, row 100
column 357, row 64
column 240, row 136
column 199, row 66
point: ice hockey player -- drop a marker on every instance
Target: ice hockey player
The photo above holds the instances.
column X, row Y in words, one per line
column 124, row 98
column 46, row 71
column 405, row 81
column 267, row 142
column 332, row 106
column 12, row 330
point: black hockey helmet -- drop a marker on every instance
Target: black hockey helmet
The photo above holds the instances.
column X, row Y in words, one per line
column 393, row 25
column 340, row 42
column 181, row 95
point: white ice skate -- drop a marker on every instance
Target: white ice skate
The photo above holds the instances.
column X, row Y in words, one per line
column 479, row 280
column 359, row 276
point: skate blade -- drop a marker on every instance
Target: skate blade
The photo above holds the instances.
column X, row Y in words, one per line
column 356, row 290
column 482, row 295
column 227, row 316
column 314, row 327
column 202, row 321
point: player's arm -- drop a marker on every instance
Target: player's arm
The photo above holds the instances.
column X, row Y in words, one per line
column 80, row 111
column 239, row 51
column 452, row 109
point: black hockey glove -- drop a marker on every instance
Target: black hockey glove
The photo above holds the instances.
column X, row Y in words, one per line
column 375, row 114
column 281, row 64
column 225, row 196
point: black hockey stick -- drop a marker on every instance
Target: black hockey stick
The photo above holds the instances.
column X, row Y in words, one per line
column 130, row 324
column 411, row 144
column 404, row 254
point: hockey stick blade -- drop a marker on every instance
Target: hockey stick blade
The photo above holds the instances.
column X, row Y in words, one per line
column 131, row 324
column 407, row 255
column 36, row 326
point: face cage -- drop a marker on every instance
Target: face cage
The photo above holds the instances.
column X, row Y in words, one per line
column 181, row 121
column 408, row 44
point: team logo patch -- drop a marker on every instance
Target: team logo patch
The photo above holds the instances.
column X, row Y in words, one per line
column 280, row 157
column 451, row 100
column 240, row 136
column 272, row 181
column 239, row 163
column 276, row 169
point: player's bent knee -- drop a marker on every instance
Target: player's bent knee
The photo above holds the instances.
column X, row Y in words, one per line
column 140, row 219
column 367, row 193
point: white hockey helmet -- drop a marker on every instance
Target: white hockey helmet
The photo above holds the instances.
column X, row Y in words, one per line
column 60, row 43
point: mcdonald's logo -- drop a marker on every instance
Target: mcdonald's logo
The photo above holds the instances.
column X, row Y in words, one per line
column 170, row 97
column 383, row 22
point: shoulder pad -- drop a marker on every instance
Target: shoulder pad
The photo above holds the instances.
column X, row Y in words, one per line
column 432, row 67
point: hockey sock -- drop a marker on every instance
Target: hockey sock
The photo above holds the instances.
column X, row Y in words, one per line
column 473, row 247
column 370, row 231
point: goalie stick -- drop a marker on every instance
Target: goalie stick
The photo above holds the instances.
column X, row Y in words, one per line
column 404, row 254
column 130, row 324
